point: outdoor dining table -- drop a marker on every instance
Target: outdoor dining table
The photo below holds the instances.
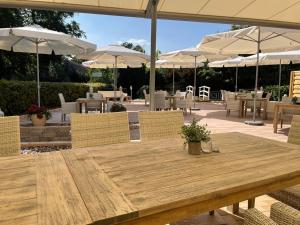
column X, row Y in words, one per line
column 279, row 106
column 101, row 101
column 154, row 182
column 172, row 99
column 244, row 101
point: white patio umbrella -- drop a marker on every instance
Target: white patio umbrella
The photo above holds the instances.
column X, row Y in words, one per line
column 189, row 55
column 115, row 54
column 231, row 62
column 252, row 40
column 38, row 40
column 107, row 65
column 274, row 58
column 169, row 64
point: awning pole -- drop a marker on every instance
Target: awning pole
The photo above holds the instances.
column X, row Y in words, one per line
column 153, row 53
column 115, row 76
column 173, row 80
column 256, row 74
column 279, row 81
column 236, row 78
column 195, row 81
column 38, row 72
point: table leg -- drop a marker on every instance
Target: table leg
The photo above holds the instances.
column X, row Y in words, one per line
column 86, row 109
column 265, row 110
column 80, row 107
column 211, row 213
column 235, row 208
column 104, row 105
column 251, row 203
column 275, row 119
column 241, row 108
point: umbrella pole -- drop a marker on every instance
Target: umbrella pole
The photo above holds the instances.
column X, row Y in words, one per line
column 279, row 81
column 115, row 76
column 254, row 122
column 195, row 81
column 236, row 77
column 38, row 72
column 173, row 81
column 153, row 52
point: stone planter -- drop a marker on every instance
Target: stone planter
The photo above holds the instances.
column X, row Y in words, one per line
column 194, row 148
column 37, row 121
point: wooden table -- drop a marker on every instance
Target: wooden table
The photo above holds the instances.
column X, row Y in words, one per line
column 151, row 183
column 279, row 106
column 172, row 99
column 85, row 101
column 243, row 103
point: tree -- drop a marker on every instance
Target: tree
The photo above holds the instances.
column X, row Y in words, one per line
column 133, row 47
column 238, row 26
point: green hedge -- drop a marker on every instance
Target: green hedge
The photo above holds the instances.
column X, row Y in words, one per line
column 284, row 90
column 17, row 96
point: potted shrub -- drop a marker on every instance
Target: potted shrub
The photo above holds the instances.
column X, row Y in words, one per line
column 294, row 100
column 117, row 107
column 38, row 115
column 194, row 134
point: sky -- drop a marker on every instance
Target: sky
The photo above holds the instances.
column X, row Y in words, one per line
column 171, row 35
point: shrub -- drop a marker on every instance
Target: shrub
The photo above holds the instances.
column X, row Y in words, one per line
column 17, row 96
column 284, row 90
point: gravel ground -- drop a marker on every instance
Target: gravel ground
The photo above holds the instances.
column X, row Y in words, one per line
column 41, row 149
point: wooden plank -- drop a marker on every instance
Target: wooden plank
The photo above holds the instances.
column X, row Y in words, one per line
column 105, row 202
column 18, row 190
column 58, row 199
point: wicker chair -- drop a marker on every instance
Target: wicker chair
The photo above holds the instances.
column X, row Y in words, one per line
column 160, row 125
column 186, row 103
column 160, row 102
column 281, row 214
column 291, row 195
column 90, row 130
column 66, row 107
column 147, row 96
column 232, row 105
column 10, row 143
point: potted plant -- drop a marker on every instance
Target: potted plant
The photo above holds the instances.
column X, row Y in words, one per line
column 38, row 115
column 194, row 134
column 117, row 107
column 294, row 100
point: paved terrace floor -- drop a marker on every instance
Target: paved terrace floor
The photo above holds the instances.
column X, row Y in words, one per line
column 214, row 115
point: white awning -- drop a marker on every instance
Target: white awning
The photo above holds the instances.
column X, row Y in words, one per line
column 257, row 12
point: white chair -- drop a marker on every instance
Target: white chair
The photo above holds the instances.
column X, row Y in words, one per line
column 232, row 104
column 66, row 107
column 186, row 103
column 160, row 102
column 204, row 93
column 189, row 89
column 146, row 96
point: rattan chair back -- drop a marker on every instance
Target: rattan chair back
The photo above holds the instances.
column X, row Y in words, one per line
column 294, row 133
column 160, row 125
column 10, row 143
column 88, row 130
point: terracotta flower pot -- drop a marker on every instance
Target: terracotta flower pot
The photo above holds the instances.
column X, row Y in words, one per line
column 38, row 121
column 194, row 148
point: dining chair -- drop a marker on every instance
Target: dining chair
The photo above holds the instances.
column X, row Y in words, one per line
column 146, row 96
column 294, row 133
column 10, row 143
column 160, row 101
column 232, row 104
column 88, row 130
column 186, row 103
column 280, row 214
column 160, row 125
column 66, row 107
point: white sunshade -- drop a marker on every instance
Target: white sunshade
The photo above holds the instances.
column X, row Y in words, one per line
column 169, row 64
column 103, row 65
column 24, row 39
column 123, row 54
column 38, row 40
column 231, row 62
column 244, row 41
column 258, row 12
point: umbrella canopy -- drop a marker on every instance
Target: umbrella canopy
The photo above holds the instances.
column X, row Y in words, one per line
column 173, row 64
column 35, row 39
column 104, row 65
column 115, row 54
column 249, row 41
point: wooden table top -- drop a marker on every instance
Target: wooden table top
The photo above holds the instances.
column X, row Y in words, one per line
column 141, row 183
column 287, row 105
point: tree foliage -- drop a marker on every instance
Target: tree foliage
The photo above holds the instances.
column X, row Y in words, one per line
column 133, row 47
